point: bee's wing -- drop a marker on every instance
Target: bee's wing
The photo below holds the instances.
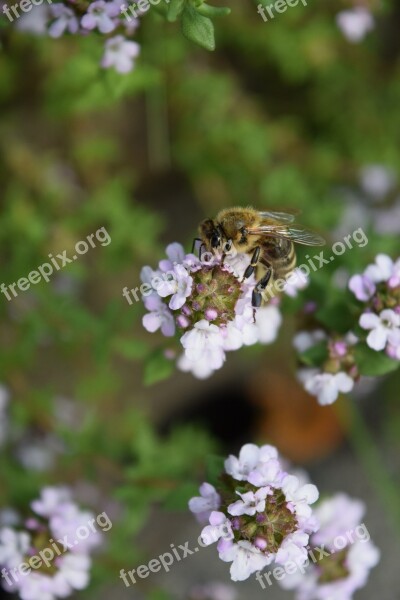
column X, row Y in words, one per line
column 296, row 234
column 282, row 217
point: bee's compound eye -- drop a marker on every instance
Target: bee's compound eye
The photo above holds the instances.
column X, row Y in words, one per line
column 215, row 240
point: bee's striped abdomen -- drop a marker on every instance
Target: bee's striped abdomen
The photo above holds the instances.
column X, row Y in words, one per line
column 283, row 265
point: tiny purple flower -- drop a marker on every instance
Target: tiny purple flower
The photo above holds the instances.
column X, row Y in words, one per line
column 64, row 20
column 383, row 328
column 325, row 386
column 202, row 506
column 120, row 54
column 179, row 287
column 159, row 317
column 362, row 287
column 250, row 503
column 101, row 15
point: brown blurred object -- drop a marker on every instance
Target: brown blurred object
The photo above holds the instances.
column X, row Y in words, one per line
column 292, row 420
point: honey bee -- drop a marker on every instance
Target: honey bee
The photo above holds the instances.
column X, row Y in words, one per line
column 269, row 237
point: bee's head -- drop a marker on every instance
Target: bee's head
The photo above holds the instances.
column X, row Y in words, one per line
column 211, row 234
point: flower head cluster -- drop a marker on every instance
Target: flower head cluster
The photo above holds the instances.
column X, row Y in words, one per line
column 209, row 305
column 101, row 16
column 259, row 514
column 337, row 373
column 55, row 518
column 379, row 289
column 347, row 555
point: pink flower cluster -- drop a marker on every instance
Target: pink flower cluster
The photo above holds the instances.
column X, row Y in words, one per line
column 209, row 305
column 337, row 374
column 103, row 16
column 259, row 514
column 55, row 518
column 348, row 554
column 379, row 288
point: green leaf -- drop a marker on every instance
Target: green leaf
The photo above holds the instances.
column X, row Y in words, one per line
column 174, row 9
column 372, row 363
column 337, row 317
column 213, row 11
column 157, row 368
column 214, row 468
column 197, row 28
column 316, row 355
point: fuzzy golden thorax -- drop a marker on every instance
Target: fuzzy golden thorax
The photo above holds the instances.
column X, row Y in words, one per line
column 231, row 224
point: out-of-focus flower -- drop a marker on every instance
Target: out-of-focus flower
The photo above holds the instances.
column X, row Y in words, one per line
column 362, row 287
column 13, row 546
column 348, row 555
column 210, row 304
column 377, row 180
column 387, row 220
column 355, row 23
column 39, row 454
column 51, row 501
column 269, row 320
column 383, row 270
column 326, row 386
column 34, row 21
column 296, row 282
column 120, row 54
column 55, row 517
column 213, row 591
column 65, row 20
column 265, row 514
column 8, row 517
column 337, row 373
column 303, row 340
column 101, row 15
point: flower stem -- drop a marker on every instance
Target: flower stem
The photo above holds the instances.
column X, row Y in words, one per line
column 370, row 457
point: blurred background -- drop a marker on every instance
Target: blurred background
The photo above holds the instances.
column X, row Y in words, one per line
column 288, row 113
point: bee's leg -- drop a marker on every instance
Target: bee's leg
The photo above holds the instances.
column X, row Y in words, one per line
column 256, row 297
column 194, row 243
column 254, row 260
